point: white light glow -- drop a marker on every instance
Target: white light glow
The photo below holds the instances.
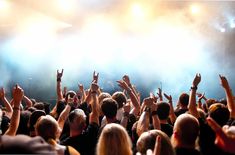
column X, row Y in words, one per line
column 195, row 9
column 4, row 5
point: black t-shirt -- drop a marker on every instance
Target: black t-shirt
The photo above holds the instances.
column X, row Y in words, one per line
column 180, row 111
column 84, row 143
column 167, row 129
column 186, row 151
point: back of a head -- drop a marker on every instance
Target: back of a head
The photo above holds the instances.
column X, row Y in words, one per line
column 147, row 141
column 114, row 140
column 34, row 117
column 219, row 113
column 187, row 129
column 22, row 144
column 39, row 106
column 184, row 99
column 102, row 96
column 47, row 127
column 120, row 98
column 163, row 110
column 77, row 119
column 109, row 108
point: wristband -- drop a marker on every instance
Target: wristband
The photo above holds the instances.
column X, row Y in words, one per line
column 58, row 79
column 194, row 88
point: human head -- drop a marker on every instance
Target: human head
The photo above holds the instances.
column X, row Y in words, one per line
column 185, row 131
column 47, row 127
column 183, row 99
column 219, row 113
column 147, row 141
column 114, row 140
column 120, row 98
column 109, row 108
column 102, row 96
column 77, row 120
column 163, row 110
column 34, row 117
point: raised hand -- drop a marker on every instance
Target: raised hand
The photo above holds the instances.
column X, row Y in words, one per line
column 126, row 79
column 160, row 93
column 2, row 93
column 18, row 94
column 94, row 87
column 168, row 97
column 155, row 98
column 196, row 80
column 200, row 96
column 148, row 102
column 59, row 74
column 123, row 84
column 95, row 77
column 80, row 86
column 224, row 81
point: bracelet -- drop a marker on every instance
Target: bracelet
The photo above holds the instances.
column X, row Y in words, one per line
column 58, row 79
column 194, row 88
column 154, row 113
column 16, row 108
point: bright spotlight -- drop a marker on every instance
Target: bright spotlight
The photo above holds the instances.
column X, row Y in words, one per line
column 66, row 6
column 4, row 5
column 232, row 24
column 137, row 11
column 222, row 30
column 195, row 9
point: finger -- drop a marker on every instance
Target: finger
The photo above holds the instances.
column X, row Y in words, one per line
column 157, row 148
column 149, row 152
column 57, row 71
column 94, row 73
column 62, row 71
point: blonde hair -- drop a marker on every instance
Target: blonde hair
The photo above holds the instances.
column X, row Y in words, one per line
column 114, row 140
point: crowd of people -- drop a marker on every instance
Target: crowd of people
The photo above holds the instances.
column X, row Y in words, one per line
column 94, row 122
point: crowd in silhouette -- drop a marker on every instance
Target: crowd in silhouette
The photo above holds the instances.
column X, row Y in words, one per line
column 94, row 122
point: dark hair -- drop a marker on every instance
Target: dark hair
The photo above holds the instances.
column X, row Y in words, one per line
column 219, row 113
column 34, row 117
column 109, row 107
column 23, row 125
column 183, row 99
column 120, row 98
column 39, row 106
column 163, row 110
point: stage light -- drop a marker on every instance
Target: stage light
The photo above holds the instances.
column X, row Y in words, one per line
column 195, row 9
column 4, row 5
column 137, row 11
column 67, row 6
column 222, row 29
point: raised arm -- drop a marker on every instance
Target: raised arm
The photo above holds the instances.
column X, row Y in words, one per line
column 172, row 113
column 65, row 113
column 6, row 103
column 144, row 121
column 125, row 117
column 28, row 102
column 94, row 115
column 229, row 95
column 17, row 94
column 58, row 86
column 192, row 98
column 82, row 92
column 132, row 95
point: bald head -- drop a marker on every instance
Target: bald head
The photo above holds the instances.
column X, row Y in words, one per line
column 186, row 129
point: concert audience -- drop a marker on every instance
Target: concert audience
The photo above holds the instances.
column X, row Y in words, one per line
column 91, row 121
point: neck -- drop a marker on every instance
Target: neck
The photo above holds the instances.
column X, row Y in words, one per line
column 111, row 120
